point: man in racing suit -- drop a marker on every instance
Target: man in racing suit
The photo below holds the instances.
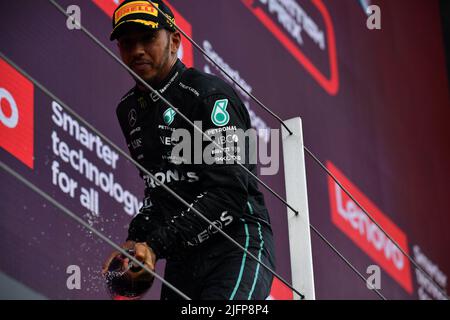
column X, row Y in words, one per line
column 199, row 261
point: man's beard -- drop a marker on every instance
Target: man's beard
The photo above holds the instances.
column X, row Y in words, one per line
column 157, row 77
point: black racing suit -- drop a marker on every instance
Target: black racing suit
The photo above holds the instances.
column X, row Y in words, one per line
column 200, row 262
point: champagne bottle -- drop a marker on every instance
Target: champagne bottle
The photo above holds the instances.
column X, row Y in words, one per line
column 120, row 283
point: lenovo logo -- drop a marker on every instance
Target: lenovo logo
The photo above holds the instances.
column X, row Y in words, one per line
column 352, row 221
column 16, row 114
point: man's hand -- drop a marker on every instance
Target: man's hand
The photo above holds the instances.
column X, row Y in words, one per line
column 129, row 245
column 143, row 253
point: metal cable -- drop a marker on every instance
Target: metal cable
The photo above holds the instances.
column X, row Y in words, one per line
column 145, row 84
column 195, row 44
column 46, row 91
column 306, row 149
column 256, row 100
column 373, row 220
column 164, row 186
column 101, row 45
column 170, row 105
column 347, row 262
column 73, row 216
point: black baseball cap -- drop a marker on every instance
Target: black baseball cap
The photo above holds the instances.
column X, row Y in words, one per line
column 142, row 13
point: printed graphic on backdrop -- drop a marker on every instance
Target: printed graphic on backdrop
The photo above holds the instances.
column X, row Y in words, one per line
column 351, row 220
column 88, row 159
column 360, row 106
column 304, row 36
column 16, row 114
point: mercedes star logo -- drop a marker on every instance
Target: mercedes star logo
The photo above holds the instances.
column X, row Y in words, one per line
column 132, row 117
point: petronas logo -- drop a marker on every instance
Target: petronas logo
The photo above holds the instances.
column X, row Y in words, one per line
column 219, row 115
column 168, row 116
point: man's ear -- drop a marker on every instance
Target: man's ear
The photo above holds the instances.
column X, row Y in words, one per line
column 175, row 41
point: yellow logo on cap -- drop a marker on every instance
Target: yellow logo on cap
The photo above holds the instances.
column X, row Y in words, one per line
column 136, row 7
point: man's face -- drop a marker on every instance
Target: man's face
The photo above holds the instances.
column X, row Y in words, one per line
column 146, row 52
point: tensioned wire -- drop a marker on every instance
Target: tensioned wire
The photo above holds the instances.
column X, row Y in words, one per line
column 274, row 115
column 76, row 218
column 73, row 216
column 164, row 186
column 209, row 139
column 92, row 37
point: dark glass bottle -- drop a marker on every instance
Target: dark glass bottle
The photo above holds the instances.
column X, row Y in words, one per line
column 120, row 283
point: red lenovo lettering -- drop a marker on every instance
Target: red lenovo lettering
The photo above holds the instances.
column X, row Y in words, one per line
column 353, row 222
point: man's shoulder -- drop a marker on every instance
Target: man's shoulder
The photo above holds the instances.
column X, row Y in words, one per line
column 210, row 89
column 203, row 85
